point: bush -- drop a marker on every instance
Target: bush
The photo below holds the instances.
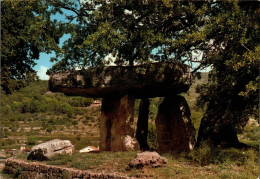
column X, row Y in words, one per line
column 66, row 109
column 26, row 105
column 202, row 155
column 74, row 123
column 5, row 110
column 32, row 140
column 80, row 101
column 17, row 106
column 35, row 106
column 49, row 129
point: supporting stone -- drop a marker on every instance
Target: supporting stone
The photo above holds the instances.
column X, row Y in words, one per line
column 116, row 125
column 142, row 124
column 175, row 131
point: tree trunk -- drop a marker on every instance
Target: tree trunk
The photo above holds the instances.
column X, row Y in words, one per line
column 142, row 124
column 217, row 131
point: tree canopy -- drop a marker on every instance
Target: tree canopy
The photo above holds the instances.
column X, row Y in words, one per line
column 27, row 30
column 232, row 92
column 130, row 32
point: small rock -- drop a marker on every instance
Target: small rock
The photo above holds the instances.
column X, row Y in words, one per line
column 152, row 159
column 89, row 149
column 51, row 148
column 130, row 143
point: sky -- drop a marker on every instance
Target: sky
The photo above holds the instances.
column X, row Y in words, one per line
column 43, row 64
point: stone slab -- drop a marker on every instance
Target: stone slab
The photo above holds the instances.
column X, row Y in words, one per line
column 151, row 80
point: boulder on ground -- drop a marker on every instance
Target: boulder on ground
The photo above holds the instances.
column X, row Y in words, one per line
column 152, row 159
column 89, row 149
column 51, row 148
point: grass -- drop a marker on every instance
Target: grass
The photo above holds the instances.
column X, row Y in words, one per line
column 228, row 163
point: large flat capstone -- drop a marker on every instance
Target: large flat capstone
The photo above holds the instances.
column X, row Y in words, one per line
column 152, row 80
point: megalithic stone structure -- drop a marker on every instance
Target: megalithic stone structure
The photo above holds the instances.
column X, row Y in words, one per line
column 119, row 86
column 117, row 124
column 175, row 131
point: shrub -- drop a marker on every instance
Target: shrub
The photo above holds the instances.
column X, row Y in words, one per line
column 32, row 140
column 35, row 106
column 5, row 110
column 14, row 128
column 66, row 109
column 26, row 105
column 202, row 155
column 49, row 129
column 74, row 122
column 17, row 106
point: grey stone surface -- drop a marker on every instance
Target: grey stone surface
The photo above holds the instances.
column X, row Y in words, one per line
column 46, row 150
column 152, row 80
column 152, row 159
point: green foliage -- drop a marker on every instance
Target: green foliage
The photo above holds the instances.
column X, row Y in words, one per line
column 80, row 102
column 152, row 136
column 130, row 32
column 5, row 110
column 202, row 155
column 65, row 109
column 232, row 91
column 32, row 140
column 32, row 99
column 27, row 30
column 205, row 155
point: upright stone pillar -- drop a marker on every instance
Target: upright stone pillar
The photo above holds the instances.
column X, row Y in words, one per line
column 175, row 131
column 142, row 124
column 116, row 125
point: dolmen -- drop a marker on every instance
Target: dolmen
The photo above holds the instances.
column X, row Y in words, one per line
column 119, row 86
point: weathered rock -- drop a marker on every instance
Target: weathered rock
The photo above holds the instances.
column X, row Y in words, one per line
column 35, row 170
column 152, row 80
column 175, row 131
column 46, row 150
column 116, row 124
column 152, row 159
column 142, row 124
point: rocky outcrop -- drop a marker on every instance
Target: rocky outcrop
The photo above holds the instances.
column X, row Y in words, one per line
column 152, row 80
column 142, row 124
column 46, row 150
column 116, row 124
column 175, row 131
column 33, row 170
column 152, row 159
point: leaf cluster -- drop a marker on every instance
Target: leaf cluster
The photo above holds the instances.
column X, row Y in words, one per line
column 27, row 30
